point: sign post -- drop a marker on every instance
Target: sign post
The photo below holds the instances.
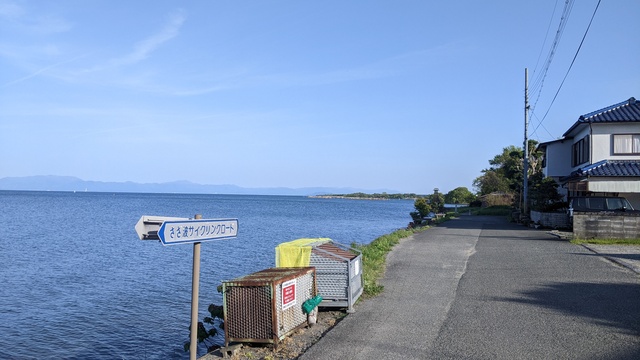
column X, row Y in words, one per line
column 195, row 288
column 172, row 231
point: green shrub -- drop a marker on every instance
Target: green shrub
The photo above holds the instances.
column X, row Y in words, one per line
column 205, row 335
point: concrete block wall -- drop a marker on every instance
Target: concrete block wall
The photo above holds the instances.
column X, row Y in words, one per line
column 554, row 220
column 589, row 225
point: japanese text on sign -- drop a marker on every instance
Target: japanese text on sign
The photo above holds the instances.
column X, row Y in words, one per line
column 288, row 294
column 176, row 232
column 190, row 231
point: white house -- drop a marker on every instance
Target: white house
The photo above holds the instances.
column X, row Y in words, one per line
column 599, row 154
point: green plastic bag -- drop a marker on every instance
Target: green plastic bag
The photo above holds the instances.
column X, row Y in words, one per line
column 309, row 305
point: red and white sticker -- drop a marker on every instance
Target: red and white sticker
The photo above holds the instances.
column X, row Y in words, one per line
column 288, row 294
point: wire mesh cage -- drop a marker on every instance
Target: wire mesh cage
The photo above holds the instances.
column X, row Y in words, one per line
column 264, row 307
column 339, row 272
column 338, row 269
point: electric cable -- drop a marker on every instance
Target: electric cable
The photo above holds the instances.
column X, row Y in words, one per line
column 539, row 81
column 546, row 35
column 571, row 65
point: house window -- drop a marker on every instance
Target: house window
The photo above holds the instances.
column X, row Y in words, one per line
column 580, row 151
column 626, row 144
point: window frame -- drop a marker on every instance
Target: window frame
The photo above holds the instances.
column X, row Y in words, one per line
column 635, row 143
column 580, row 151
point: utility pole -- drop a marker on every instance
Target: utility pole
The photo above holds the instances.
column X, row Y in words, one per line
column 526, row 143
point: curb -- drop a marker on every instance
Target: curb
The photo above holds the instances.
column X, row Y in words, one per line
column 623, row 263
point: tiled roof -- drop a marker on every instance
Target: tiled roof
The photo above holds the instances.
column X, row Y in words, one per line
column 613, row 168
column 626, row 111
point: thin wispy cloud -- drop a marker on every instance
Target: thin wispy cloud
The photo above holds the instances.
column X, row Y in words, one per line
column 201, row 91
column 279, row 80
column 19, row 17
column 49, row 25
column 10, row 10
column 42, row 70
column 387, row 67
column 383, row 68
column 143, row 49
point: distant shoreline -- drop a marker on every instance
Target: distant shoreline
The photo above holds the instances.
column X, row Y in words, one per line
column 362, row 196
column 344, row 197
column 70, row 183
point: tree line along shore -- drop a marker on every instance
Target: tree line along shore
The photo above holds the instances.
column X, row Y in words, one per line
column 363, row 196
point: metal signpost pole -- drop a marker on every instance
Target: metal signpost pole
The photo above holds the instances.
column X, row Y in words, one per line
column 195, row 288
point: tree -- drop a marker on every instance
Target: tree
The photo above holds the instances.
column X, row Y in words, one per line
column 422, row 209
column 543, row 194
column 506, row 173
column 490, row 182
column 437, row 201
column 509, row 166
column 459, row 195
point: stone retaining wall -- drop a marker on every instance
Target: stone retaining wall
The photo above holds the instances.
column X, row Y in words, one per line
column 606, row 225
column 554, row 220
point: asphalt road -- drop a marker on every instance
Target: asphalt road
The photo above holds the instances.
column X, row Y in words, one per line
column 482, row 288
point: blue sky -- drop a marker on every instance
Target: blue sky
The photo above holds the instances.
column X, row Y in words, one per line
column 400, row 95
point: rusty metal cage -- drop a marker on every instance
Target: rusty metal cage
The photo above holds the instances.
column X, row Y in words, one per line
column 264, row 307
column 339, row 271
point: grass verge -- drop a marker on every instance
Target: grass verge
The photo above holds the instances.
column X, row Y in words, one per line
column 606, row 241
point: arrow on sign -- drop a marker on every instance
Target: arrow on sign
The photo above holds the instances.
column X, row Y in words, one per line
column 191, row 231
column 147, row 227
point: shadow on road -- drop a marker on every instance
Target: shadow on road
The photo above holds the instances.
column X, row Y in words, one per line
column 616, row 255
column 612, row 305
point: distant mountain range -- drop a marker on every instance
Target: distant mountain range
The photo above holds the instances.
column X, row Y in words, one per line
column 69, row 183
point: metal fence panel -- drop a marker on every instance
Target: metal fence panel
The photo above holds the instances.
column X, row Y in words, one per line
column 253, row 304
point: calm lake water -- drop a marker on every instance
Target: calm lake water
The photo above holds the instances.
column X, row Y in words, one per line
column 78, row 284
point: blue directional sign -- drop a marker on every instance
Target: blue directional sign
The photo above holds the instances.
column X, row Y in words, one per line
column 192, row 231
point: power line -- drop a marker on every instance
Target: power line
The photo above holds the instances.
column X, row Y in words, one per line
column 539, row 82
column 571, row 65
column 540, row 124
column 546, row 35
